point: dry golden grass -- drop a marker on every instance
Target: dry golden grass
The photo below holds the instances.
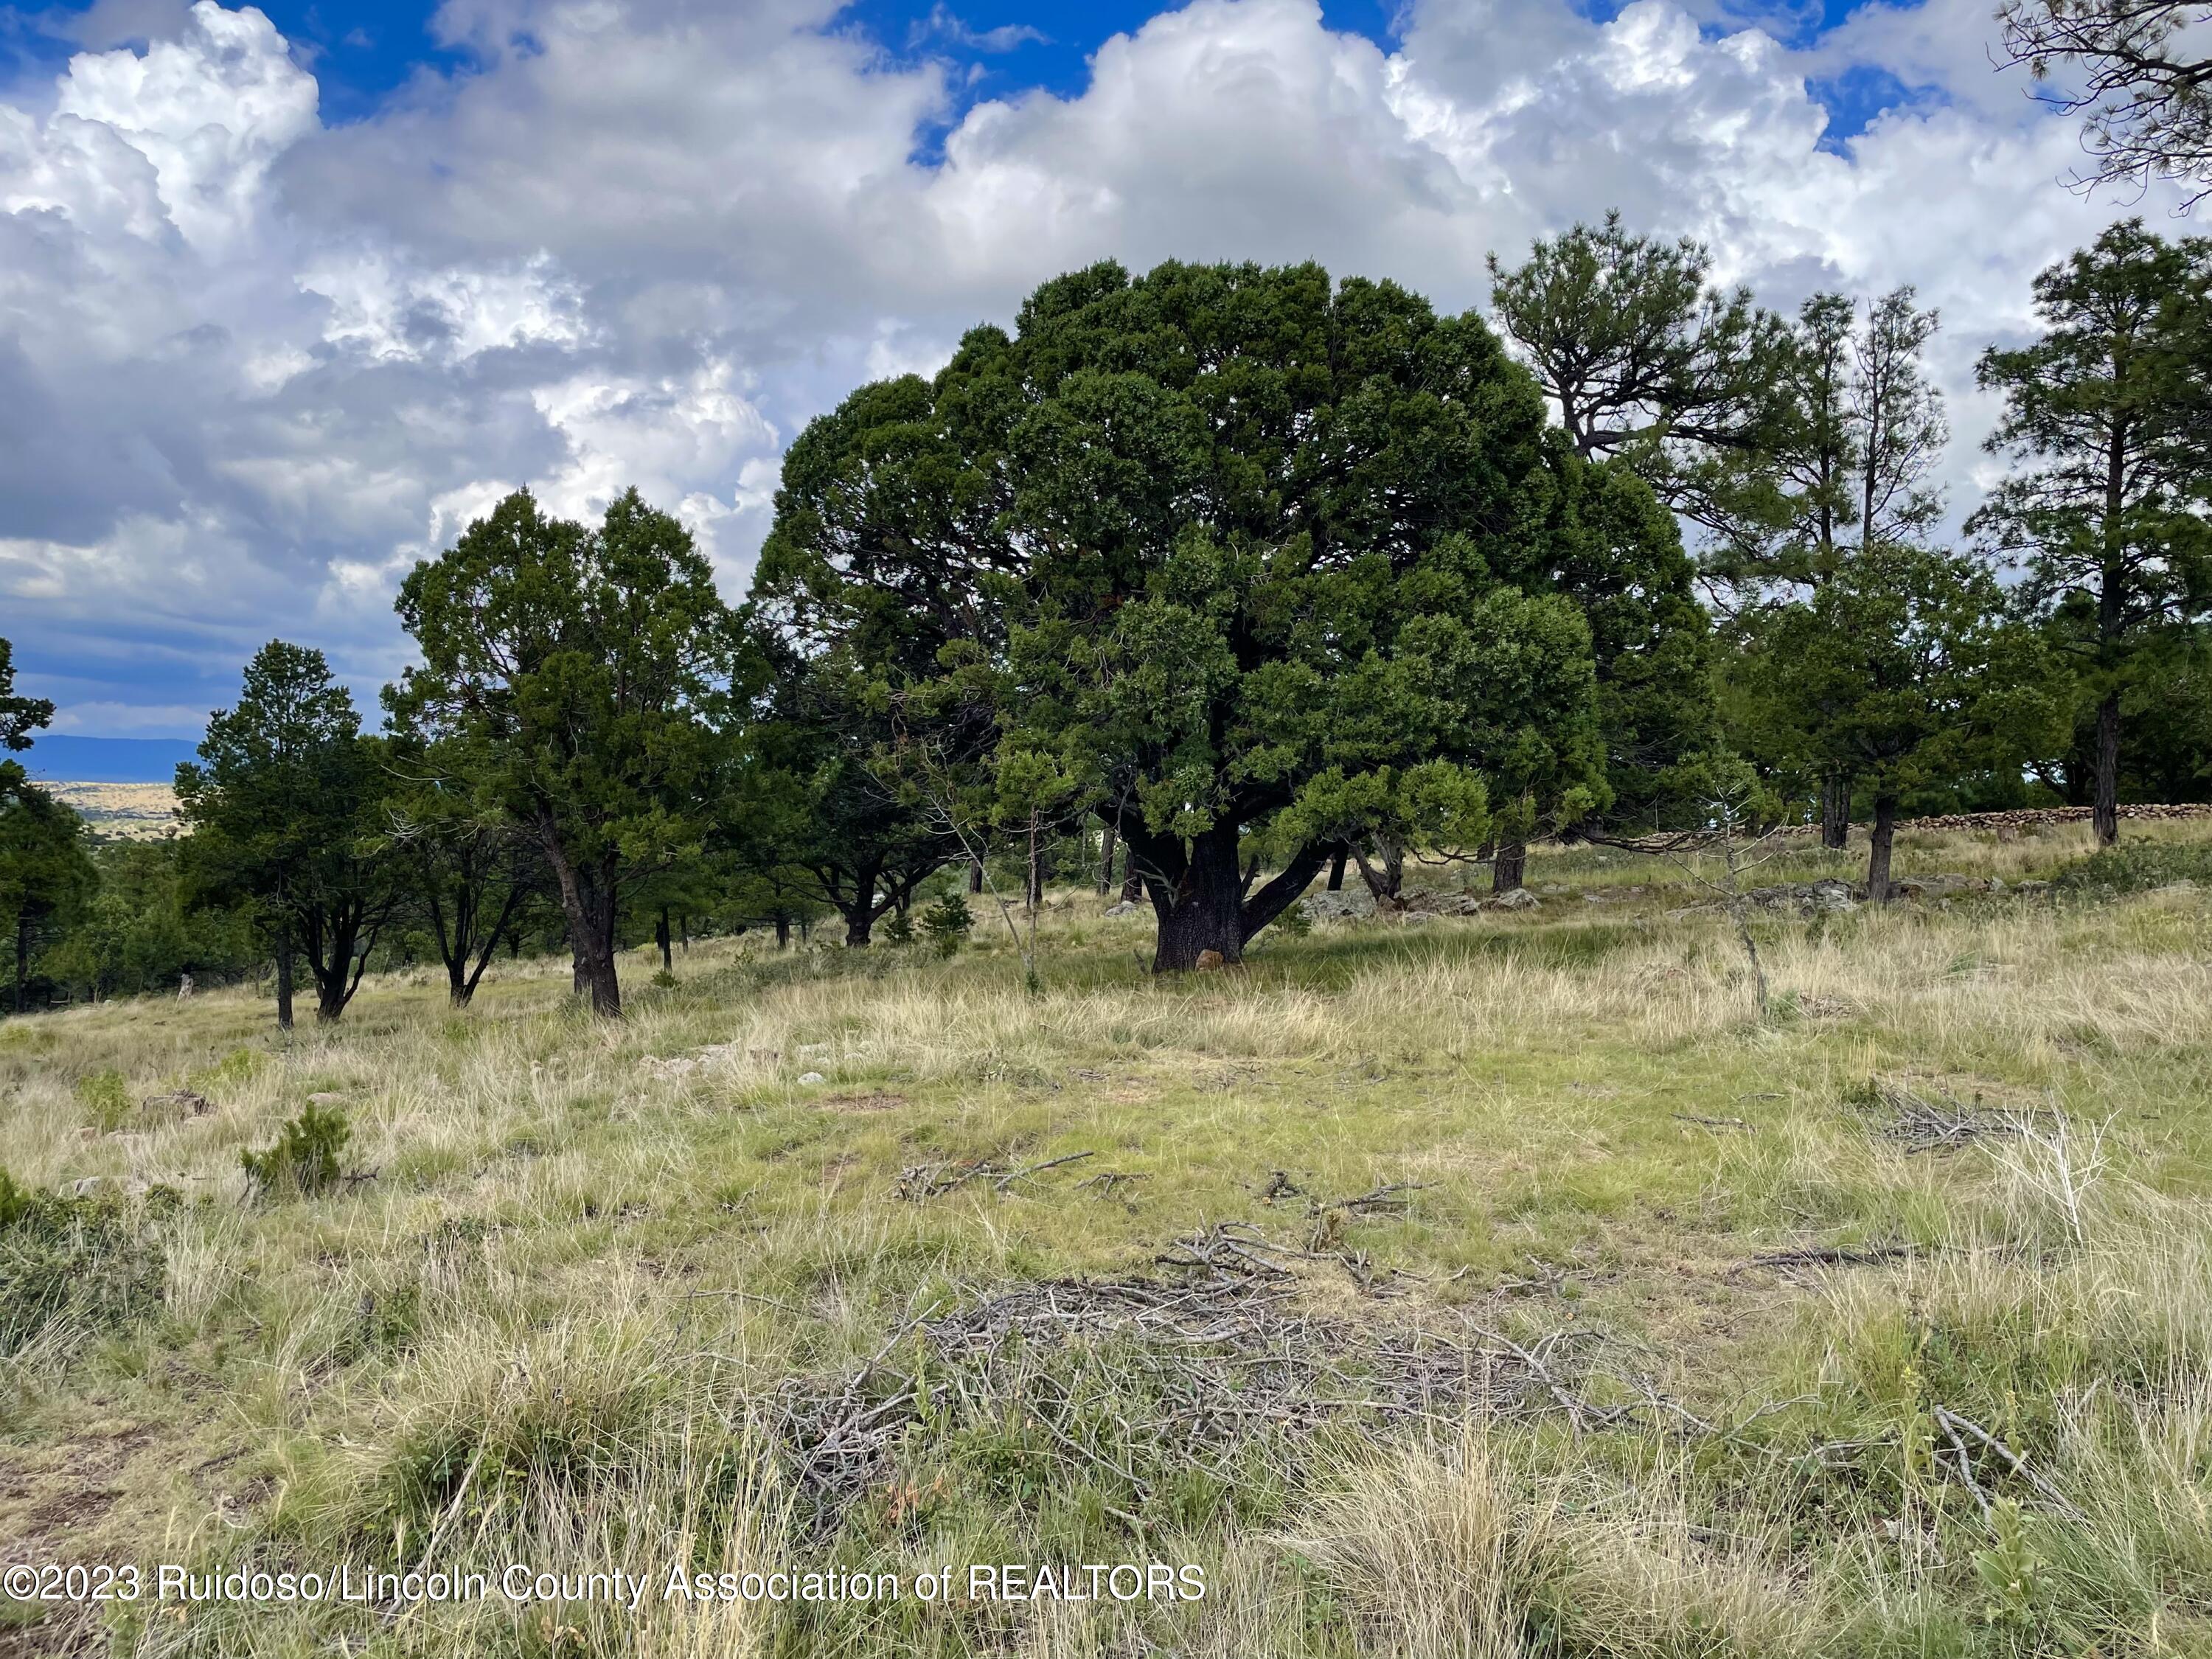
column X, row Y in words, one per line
column 554, row 1326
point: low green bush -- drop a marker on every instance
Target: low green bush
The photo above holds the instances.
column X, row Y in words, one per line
column 947, row 923
column 305, row 1159
column 105, row 1098
column 2136, row 866
column 89, row 1260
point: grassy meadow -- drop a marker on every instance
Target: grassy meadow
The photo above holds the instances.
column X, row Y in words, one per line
column 1487, row 1286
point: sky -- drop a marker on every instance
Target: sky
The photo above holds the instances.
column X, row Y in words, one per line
column 288, row 295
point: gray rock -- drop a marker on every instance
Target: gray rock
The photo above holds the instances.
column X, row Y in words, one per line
column 812, row 1076
column 1429, row 901
column 1520, row 898
column 1339, row 906
column 1125, row 907
column 1832, row 894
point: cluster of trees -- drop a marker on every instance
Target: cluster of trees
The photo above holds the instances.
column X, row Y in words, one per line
column 1239, row 576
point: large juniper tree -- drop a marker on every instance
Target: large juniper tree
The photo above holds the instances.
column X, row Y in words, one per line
column 1220, row 542
column 286, row 803
column 590, row 673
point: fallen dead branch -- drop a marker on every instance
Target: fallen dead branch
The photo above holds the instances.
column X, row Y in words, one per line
column 1206, row 1362
column 919, row 1181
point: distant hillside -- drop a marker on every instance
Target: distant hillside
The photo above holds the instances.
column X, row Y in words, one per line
column 121, row 811
column 64, row 758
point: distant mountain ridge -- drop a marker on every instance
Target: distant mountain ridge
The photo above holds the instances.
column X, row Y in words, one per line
column 64, row 758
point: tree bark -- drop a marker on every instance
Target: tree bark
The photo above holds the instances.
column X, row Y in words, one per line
column 1199, row 896
column 1132, row 884
column 1336, row 863
column 975, row 875
column 1106, row 860
column 587, row 898
column 1509, row 867
column 1885, row 831
column 1201, row 909
column 2106, row 812
column 1835, row 810
column 331, row 993
column 664, row 939
column 1386, row 881
column 284, row 974
column 783, row 930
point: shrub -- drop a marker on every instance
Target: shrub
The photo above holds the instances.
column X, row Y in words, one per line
column 947, row 923
column 899, row 930
column 305, row 1159
column 2136, row 866
column 105, row 1098
column 67, row 1260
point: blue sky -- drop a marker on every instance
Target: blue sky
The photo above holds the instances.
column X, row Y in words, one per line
column 288, row 295
column 361, row 54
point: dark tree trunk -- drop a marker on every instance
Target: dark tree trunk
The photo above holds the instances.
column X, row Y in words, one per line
column 1835, row 810
column 684, row 930
column 1132, row 884
column 1336, row 863
column 664, row 939
column 336, row 953
column 2107, row 811
column 1885, row 831
column 22, row 957
column 284, row 974
column 1201, row 909
column 782, row 930
column 1386, row 878
column 1199, row 896
column 1508, row 867
column 975, row 875
column 589, row 898
column 1106, row 860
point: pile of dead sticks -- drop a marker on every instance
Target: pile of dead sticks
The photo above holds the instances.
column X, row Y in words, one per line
column 1211, row 1365
column 1195, row 1367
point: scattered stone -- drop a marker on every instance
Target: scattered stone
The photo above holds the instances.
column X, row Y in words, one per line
column 1520, row 898
column 182, row 1103
column 812, row 1076
column 1431, row 902
column 326, row 1098
column 1343, row 905
column 1124, row 908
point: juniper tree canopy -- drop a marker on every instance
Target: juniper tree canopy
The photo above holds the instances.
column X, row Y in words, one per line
column 589, row 673
column 285, row 804
column 1236, row 549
